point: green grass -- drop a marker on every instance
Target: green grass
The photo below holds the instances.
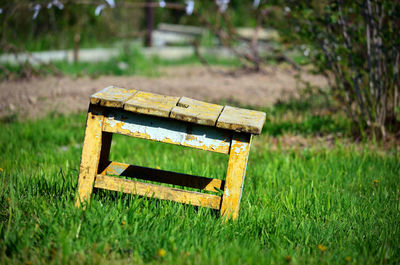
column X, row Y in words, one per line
column 132, row 62
column 345, row 198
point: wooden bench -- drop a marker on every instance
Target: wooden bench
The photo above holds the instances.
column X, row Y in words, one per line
column 181, row 121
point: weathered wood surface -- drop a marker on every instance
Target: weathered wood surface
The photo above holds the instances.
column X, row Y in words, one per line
column 90, row 154
column 162, row 176
column 151, row 104
column 167, row 131
column 235, row 175
column 171, row 126
column 112, row 97
column 157, row 191
column 184, row 109
column 243, row 120
column 196, row 111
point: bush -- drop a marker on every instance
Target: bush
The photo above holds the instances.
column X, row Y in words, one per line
column 358, row 44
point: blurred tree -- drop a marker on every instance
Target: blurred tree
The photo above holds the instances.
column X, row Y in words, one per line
column 55, row 28
column 358, row 44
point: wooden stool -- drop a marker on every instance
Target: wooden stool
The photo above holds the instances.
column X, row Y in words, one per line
column 181, row 121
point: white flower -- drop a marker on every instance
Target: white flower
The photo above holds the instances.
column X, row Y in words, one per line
column 111, row 3
column 162, row 3
column 256, row 3
column 36, row 9
column 56, row 3
column 189, row 7
column 98, row 9
column 222, row 5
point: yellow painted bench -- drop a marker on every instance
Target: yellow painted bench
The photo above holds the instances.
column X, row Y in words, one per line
column 181, row 121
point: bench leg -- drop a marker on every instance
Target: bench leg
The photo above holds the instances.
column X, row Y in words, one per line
column 235, row 175
column 91, row 152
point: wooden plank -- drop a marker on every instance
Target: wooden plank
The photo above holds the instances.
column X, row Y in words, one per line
column 243, row 120
column 157, row 191
column 196, row 111
column 168, row 131
column 112, row 96
column 152, row 104
column 235, row 175
column 162, row 176
column 90, row 154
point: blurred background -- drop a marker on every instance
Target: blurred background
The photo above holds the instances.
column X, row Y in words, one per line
column 322, row 184
column 345, row 56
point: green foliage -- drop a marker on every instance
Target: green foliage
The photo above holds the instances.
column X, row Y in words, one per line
column 344, row 198
column 358, row 44
column 56, row 29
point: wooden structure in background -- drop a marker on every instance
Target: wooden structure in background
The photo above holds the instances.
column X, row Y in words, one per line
column 181, row 121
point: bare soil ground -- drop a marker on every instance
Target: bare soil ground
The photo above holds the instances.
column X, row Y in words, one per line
column 36, row 97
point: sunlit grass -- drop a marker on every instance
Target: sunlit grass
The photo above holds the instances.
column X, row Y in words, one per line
column 335, row 205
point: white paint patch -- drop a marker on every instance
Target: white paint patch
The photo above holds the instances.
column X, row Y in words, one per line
column 227, row 192
column 111, row 122
column 161, row 129
column 239, row 148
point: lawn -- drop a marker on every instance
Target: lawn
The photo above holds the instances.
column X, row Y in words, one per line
column 319, row 204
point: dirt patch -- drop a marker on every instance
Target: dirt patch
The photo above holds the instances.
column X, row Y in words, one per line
column 39, row 96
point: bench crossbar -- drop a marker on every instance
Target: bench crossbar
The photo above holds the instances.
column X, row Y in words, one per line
column 163, row 176
column 157, row 191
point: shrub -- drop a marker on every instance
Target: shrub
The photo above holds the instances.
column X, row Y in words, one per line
column 358, row 44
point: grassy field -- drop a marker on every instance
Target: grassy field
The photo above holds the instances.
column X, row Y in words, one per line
column 319, row 204
column 130, row 62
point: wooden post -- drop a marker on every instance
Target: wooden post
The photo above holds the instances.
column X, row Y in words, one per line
column 149, row 23
column 77, row 42
column 91, row 151
column 235, row 175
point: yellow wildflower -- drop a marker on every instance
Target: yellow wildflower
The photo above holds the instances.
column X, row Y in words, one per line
column 288, row 258
column 322, row 247
column 1, row 170
column 348, row 258
column 157, row 167
column 123, row 223
column 376, row 182
column 161, row 252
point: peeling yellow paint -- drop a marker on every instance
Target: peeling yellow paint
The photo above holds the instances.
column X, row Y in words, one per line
column 113, row 110
column 90, row 154
column 235, row 175
column 208, row 184
column 157, row 191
